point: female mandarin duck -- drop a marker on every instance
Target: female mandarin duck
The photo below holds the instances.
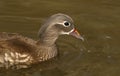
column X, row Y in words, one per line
column 16, row 50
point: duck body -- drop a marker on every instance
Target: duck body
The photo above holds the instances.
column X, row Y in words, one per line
column 19, row 51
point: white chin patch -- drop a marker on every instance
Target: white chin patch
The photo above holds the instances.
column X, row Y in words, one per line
column 67, row 32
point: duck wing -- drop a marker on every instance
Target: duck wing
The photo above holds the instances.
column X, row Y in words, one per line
column 16, row 49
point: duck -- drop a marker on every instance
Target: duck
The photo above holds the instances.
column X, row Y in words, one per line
column 20, row 51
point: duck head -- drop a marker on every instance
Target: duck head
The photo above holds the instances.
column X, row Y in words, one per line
column 59, row 24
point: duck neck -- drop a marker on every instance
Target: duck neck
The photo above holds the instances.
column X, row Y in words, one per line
column 47, row 48
column 48, row 38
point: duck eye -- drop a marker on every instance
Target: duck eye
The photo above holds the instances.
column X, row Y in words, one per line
column 66, row 24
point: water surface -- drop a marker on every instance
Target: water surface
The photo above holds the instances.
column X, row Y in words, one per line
column 97, row 20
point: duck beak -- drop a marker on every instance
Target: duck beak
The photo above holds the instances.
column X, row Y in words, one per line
column 76, row 34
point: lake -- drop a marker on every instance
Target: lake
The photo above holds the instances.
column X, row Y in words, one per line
column 98, row 21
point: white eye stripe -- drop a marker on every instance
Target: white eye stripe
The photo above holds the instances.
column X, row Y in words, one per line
column 67, row 32
column 65, row 23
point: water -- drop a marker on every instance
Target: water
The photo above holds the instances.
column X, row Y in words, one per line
column 97, row 20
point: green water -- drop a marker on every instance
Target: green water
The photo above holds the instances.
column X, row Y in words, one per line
column 97, row 20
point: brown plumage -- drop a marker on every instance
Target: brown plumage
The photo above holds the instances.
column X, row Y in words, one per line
column 20, row 51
